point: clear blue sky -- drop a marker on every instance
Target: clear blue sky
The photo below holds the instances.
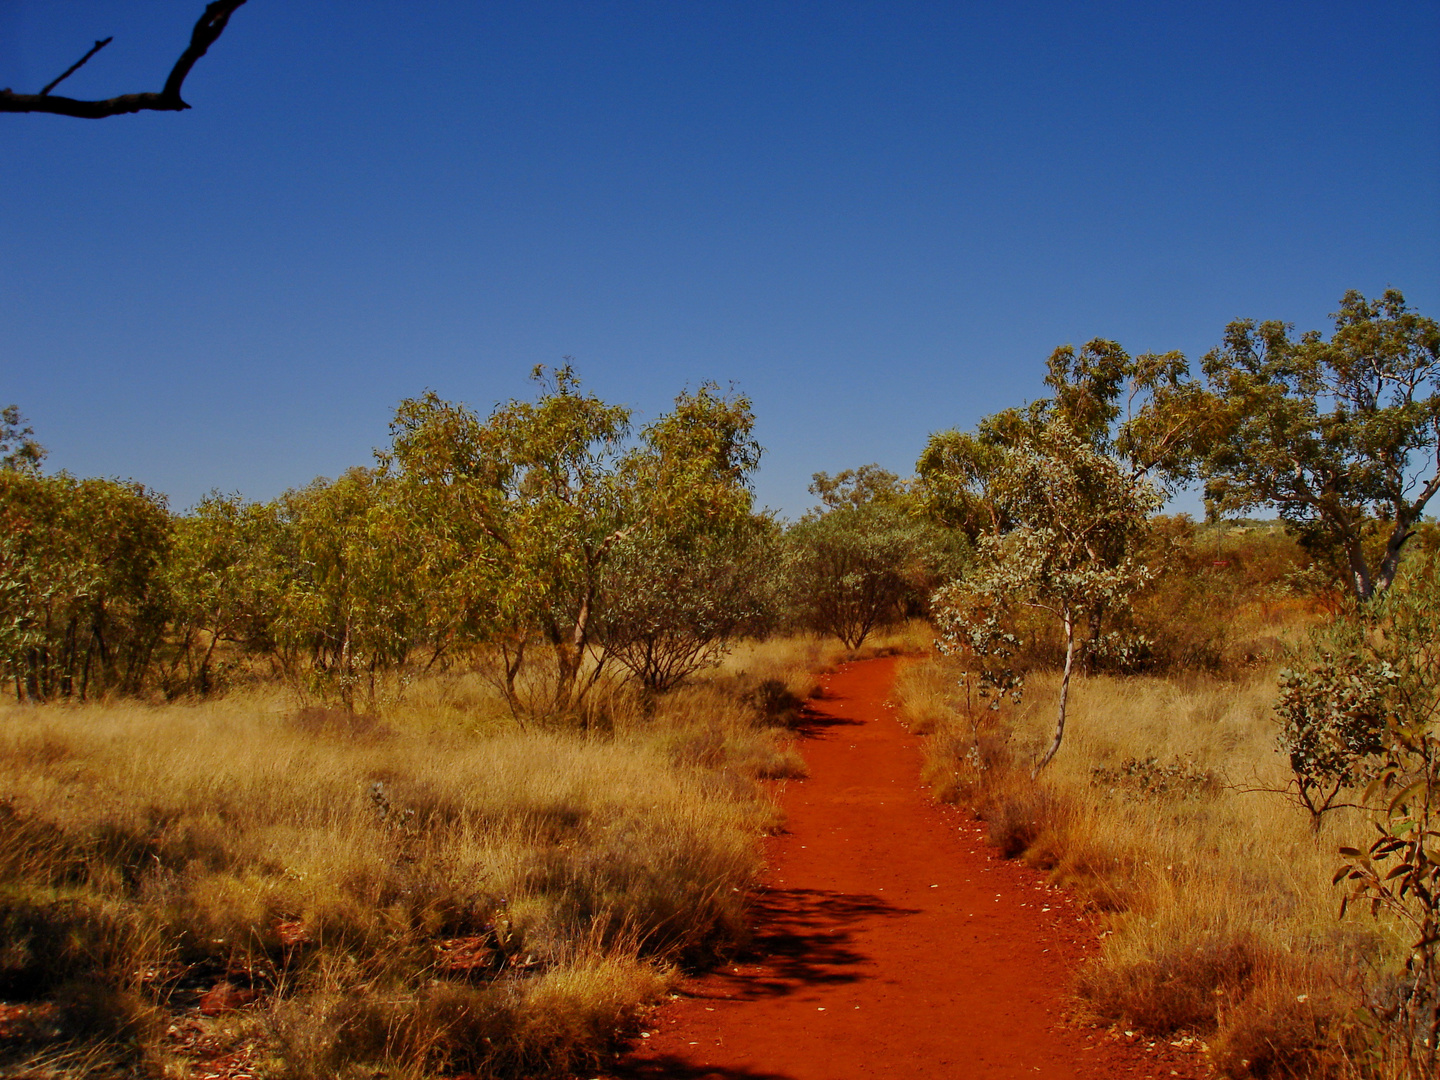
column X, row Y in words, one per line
column 877, row 219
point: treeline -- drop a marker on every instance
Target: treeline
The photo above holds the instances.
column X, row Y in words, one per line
column 547, row 544
column 551, row 542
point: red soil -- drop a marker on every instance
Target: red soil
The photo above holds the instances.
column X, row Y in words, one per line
column 891, row 941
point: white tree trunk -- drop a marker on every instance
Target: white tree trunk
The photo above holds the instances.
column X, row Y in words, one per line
column 1064, row 693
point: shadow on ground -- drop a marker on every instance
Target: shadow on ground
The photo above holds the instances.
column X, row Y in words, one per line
column 813, row 722
column 671, row 1067
column 808, row 940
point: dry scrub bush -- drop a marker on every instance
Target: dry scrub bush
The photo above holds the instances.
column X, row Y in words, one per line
column 425, row 890
column 1215, row 897
column 1224, row 595
column 795, row 662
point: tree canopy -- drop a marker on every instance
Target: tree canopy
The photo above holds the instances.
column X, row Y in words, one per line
column 1339, row 435
column 867, row 556
column 18, row 448
column 524, row 513
column 1067, row 520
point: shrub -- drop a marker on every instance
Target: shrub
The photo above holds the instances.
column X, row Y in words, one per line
column 1281, row 1030
column 1180, row 984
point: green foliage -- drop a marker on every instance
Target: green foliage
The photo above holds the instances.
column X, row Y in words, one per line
column 1335, row 434
column 859, row 487
column 1208, row 582
column 1076, row 519
column 1332, row 724
column 81, row 583
column 1394, row 672
column 973, row 622
column 223, row 577
column 549, row 530
column 1135, row 410
column 674, row 603
column 869, row 559
column 346, row 601
column 526, row 520
column 1176, row 778
column 18, row 448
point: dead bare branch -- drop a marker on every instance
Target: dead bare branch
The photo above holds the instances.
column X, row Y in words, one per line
column 209, row 28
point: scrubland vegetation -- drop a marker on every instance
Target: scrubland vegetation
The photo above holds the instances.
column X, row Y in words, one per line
column 1249, row 716
column 1175, row 809
column 448, row 765
column 431, row 890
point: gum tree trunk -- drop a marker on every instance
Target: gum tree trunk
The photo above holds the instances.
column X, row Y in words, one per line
column 1069, row 619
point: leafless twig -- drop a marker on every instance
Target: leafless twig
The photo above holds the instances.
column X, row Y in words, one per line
column 76, row 66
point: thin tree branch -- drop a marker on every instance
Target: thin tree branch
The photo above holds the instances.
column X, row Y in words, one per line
column 76, row 66
column 209, row 28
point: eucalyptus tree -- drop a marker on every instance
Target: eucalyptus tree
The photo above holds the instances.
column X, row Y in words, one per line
column 524, row 513
column 866, row 556
column 1077, row 519
column 85, row 603
column 1057, row 495
column 1342, row 436
column 1369, row 709
column 1141, row 411
column 675, row 601
column 227, row 573
column 18, row 448
column 344, row 585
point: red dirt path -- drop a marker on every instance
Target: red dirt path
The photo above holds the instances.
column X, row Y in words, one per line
column 891, row 941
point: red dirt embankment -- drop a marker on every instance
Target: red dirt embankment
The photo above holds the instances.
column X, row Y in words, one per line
column 891, row 941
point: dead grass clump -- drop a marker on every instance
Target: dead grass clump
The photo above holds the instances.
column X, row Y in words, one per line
column 796, row 661
column 776, row 704
column 67, row 1061
column 1017, row 815
column 1281, row 1030
column 1179, row 982
column 550, row 1024
column 318, row 720
column 913, row 637
column 928, row 695
column 730, row 726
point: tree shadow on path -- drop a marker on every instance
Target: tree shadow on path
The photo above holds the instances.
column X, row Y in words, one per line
column 674, row 1067
column 807, row 940
column 813, row 723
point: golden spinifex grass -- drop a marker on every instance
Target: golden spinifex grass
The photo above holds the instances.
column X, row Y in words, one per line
column 1165, row 811
column 425, row 890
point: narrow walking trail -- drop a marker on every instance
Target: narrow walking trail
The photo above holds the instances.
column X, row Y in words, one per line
column 890, row 941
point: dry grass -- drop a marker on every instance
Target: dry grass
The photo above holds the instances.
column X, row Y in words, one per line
column 794, row 662
column 798, row 661
column 1219, row 914
column 423, row 890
